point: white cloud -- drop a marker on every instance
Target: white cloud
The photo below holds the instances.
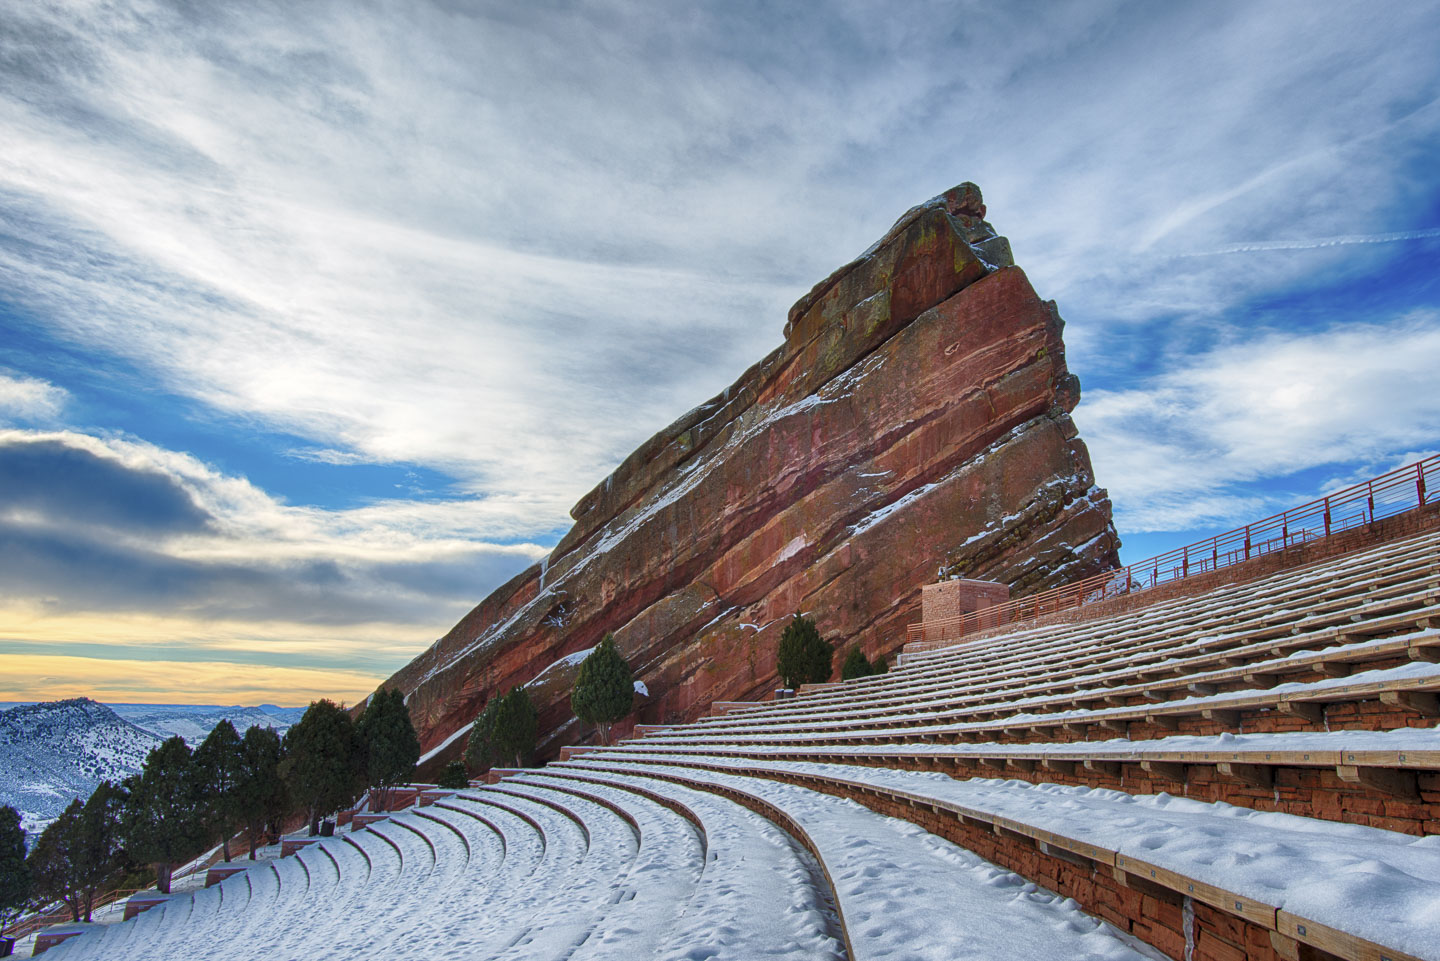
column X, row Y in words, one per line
column 406, row 562
column 29, row 398
column 1178, row 451
column 510, row 245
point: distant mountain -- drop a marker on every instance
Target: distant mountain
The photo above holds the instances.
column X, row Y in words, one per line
column 54, row 752
column 194, row 721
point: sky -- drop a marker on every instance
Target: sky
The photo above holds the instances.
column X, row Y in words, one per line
column 317, row 318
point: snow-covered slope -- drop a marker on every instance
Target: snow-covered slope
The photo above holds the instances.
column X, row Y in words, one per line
column 54, row 752
column 59, row 750
column 194, row 721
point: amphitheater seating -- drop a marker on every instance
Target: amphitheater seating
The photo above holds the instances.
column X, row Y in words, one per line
column 1271, row 870
column 1249, row 772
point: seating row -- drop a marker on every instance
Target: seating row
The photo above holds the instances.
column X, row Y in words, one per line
column 1377, row 892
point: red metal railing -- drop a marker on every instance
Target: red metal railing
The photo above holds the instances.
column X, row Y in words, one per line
column 1384, row 496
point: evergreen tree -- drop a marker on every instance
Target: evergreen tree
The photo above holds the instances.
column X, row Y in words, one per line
column 260, row 798
column 387, row 738
column 605, row 690
column 53, row 858
column 163, row 819
column 453, row 776
column 480, row 747
column 219, row 763
column 856, row 665
column 881, row 666
column 80, row 851
column 15, row 880
column 516, row 726
column 804, row 657
column 322, row 762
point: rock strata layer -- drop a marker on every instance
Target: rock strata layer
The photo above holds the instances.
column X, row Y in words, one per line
column 916, row 418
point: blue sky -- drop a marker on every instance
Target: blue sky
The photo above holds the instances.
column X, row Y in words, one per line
column 316, row 318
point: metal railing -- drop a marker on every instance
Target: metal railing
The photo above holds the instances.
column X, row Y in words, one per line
column 1389, row 494
column 60, row 914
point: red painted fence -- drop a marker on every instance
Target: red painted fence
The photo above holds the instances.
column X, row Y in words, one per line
column 1384, row 496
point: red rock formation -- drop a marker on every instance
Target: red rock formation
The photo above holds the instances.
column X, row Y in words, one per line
column 915, row 418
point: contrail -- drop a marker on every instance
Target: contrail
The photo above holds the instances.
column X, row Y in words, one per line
column 1319, row 242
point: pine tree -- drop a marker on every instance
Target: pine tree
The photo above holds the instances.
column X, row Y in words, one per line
column 516, row 726
column 322, row 762
column 480, row 747
column 856, row 665
column 163, row 820
column 881, row 665
column 260, row 793
column 387, row 738
column 803, row 657
column 453, row 776
column 15, row 880
column 219, row 763
column 605, row 690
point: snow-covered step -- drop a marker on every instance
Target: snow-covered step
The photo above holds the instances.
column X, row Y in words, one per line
column 904, row 893
column 660, row 881
column 760, row 895
column 1222, row 708
column 595, row 886
column 1347, row 887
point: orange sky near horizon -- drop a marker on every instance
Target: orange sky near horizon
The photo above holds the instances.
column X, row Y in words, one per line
column 145, row 659
column 53, row 677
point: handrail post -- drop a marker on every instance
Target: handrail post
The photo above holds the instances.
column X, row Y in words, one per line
column 1247, row 542
column 1327, row 517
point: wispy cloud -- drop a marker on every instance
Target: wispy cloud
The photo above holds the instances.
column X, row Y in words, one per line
column 504, row 243
column 1186, row 448
column 29, row 398
column 109, row 524
column 1317, row 243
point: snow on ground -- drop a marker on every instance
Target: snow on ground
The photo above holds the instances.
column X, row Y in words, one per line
column 757, row 894
column 1400, row 739
column 1379, row 885
column 1421, row 672
column 906, row 894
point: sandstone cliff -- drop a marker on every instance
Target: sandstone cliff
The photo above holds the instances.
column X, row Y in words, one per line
column 915, row 418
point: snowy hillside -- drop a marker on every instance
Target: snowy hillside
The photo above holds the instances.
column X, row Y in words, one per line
column 59, row 750
column 194, row 721
column 53, row 752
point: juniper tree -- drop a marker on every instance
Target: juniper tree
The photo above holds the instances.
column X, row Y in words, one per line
column 15, row 880
column 856, row 665
column 79, row 851
column 480, row 747
column 53, row 858
column 163, row 818
column 260, row 797
column 516, row 726
column 321, row 767
column 219, row 766
column 388, row 742
column 803, row 657
column 605, row 690
column 453, row 776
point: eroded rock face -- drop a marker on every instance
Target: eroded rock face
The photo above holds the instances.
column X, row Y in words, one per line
column 915, row 418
